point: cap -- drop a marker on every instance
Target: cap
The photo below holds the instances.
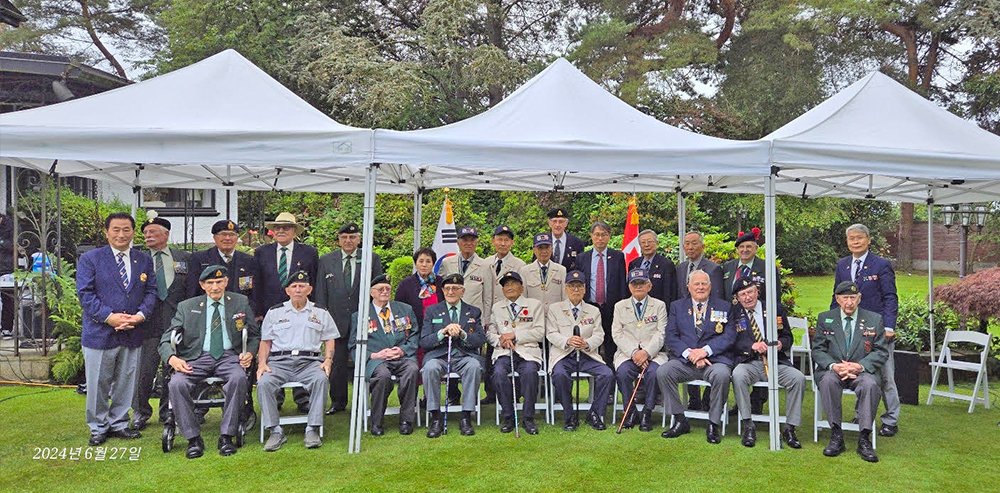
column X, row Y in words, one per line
column 153, row 218
column 468, row 231
column 297, row 276
column 349, row 228
column 743, row 283
column 752, row 235
column 575, row 276
column 510, row 276
column 225, row 225
column 543, row 239
column 213, row 272
column 637, row 275
column 558, row 212
column 380, row 279
column 504, row 230
column 453, row 279
column 846, row 287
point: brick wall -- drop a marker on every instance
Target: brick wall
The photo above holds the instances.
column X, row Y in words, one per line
column 982, row 254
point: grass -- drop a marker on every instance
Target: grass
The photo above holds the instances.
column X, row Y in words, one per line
column 939, row 448
column 814, row 293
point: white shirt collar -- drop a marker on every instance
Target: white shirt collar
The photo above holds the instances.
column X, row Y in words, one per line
column 863, row 257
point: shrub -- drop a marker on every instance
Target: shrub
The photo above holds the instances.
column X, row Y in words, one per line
column 398, row 269
column 912, row 330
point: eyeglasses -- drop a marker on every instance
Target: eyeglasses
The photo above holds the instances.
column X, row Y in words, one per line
column 453, row 288
column 381, row 289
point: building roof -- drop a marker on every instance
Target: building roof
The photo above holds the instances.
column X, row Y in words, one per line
column 10, row 15
column 32, row 80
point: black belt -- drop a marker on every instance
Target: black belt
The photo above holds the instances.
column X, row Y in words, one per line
column 296, row 353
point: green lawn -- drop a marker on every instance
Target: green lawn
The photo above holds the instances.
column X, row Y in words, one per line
column 814, row 293
column 939, row 448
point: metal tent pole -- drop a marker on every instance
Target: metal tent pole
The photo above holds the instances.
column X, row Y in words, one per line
column 357, row 408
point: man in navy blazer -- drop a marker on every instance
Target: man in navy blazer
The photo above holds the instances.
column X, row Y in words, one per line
column 699, row 336
column 661, row 270
column 242, row 270
column 613, row 283
column 460, row 322
column 694, row 250
column 877, row 283
column 565, row 247
column 116, row 285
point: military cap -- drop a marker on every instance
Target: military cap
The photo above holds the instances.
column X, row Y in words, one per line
column 743, row 283
column 468, row 231
column 638, row 274
column 380, row 279
column 153, row 218
column 213, row 272
column 752, row 235
column 453, row 279
column 846, row 287
column 543, row 239
column 349, row 228
column 575, row 276
column 510, row 276
column 297, row 276
column 558, row 212
column 504, row 230
column 225, row 225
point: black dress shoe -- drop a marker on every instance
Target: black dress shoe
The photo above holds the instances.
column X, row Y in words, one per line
column 405, row 428
column 196, row 448
column 712, row 433
column 788, row 435
column 377, row 430
column 226, row 445
column 333, row 410
column 836, row 445
column 569, row 426
column 629, row 421
column 97, row 439
column 680, row 427
column 646, row 420
column 507, row 425
column 435, row 429
column 126, row 433
column 596, row 422
column 530, row 427
column 865, row 449
column 749, row 434
column 465, row 427
column 140, row 422
column 888, row 431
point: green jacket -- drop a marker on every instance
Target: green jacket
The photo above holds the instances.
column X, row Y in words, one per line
column 868, row 346
column 405, row 337
column 190, row 318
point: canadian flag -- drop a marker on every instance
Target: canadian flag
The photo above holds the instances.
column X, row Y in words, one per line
column 630, row 242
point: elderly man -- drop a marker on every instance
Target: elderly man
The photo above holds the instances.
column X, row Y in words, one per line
column 661, row 270
column 699, row 335
column 575, row 333
column 241, row 268
column 749, row 354
column 543, row 278
column 456, row 325
column 502, row 261
column 289, row 342
column 604, row 269
column 338, row 285
column 116, row 285
column 877, row 285
column 849, row 351
column 565, row 247
column 218, row 336
column 393, row 338
column 171, row 266
column 638, row 332
column 694, row 252
column 516, row 332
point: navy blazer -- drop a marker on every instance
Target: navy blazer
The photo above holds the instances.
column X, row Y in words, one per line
column 615, row 287
column 101, row 293
column 714, row 272
column 681, row 334
column 268, row 290
column 663, row 276
column 742, row 351
column 758, row 273
column 408, row 291
column 877, row 283
column 242, row 266
column 437, row 318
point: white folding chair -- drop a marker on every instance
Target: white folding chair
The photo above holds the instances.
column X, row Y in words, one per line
column 801, row 350
column 584, row 406
column 619, row 405
column 452, row 408
column 946, row 361
column 291, row 419
column 697, row 414
column 543, row 391
column 389, row 410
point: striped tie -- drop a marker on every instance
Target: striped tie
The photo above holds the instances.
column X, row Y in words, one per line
column 122, row 272
column 283, row 266
column 215, row 344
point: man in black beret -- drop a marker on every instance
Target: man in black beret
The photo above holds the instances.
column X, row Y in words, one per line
column 565, row 246
column 241, row 268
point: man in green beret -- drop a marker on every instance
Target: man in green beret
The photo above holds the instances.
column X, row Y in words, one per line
column 216, row 336
column 849, row 350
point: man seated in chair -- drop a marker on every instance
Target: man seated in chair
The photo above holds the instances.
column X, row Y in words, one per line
column 461, row 323
column 211, row 345
column 575, row 334
column 749, row 354
column 516, row 331
column 393, row 337
column 699, row 335
column 291, row 334
column 638, row 331
column 849, row 350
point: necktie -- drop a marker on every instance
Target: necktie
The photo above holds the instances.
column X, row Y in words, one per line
column 754, row 327
column 848, row 332
column 215, row 344
column 454, row 314
column 557, row 252
column 645, row 264
column 348, row 275
column 122, row 272
column 161, row 277
column 545, row 274
column 227, row 257
column 699, row 317
column 283, row 266
column 744, row 271
column 599, row 295
column 465, row 266
column 384, row 315
column 638, row 310
column 499, row 265
column 576, row 313
column 513, row 309
column 857, row 269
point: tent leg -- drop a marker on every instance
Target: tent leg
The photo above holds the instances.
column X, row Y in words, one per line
column 681, row 221
column 772, row 292
column 418, row 201
column 357, row 409
column 930, row 271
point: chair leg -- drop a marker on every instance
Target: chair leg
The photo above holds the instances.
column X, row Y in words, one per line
column 934, row 380
column 951, row 384
column 975, row 391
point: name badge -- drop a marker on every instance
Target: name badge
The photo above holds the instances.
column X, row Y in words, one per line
column 437, row 321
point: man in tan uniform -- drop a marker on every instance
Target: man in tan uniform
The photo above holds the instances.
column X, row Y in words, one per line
column 543, row 277
column 516, row 332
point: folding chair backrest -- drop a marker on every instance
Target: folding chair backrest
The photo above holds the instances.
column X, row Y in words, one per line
column 964, row 336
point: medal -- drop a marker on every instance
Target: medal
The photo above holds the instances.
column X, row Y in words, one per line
column 718, row 327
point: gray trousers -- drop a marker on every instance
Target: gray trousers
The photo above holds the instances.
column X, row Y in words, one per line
column 831, row 393
column 470, row 371
column 889, row 392
column 677, row 371
column 110, row 375
column 789, row 378
column 286, row 369
column 406, row 371
column 234, row 389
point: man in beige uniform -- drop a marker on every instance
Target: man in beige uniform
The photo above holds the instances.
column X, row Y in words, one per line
column 637, row 328
column 543, row 278
column 516, row 332
column 502, row 261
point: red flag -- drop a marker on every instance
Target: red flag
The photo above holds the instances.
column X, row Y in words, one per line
column 630, row 242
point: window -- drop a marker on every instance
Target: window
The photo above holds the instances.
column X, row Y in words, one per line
column 171, row 201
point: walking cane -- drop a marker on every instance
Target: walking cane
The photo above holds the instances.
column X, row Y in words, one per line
column 576, row 402
column 447, row 380
column 513, row 388
column 631, row 400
